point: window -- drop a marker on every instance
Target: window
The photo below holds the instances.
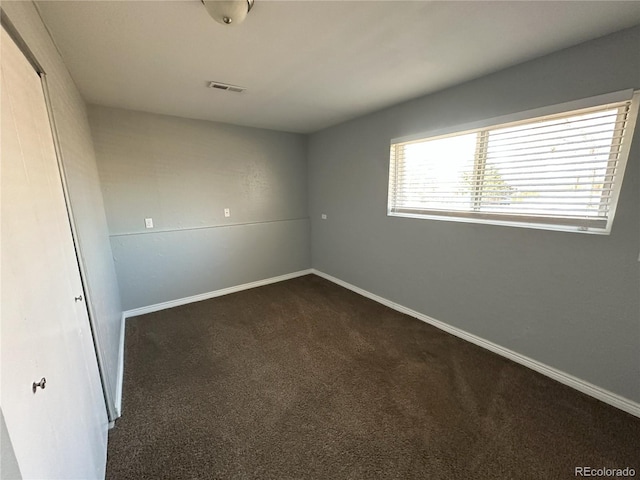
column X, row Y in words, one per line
column 558, row 171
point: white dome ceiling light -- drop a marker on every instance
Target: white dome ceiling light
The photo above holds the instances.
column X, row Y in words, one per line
column 228, row 12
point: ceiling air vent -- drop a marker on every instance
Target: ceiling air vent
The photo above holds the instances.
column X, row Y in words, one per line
column 227, row 87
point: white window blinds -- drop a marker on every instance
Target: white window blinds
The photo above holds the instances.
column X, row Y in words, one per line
column 561, row 171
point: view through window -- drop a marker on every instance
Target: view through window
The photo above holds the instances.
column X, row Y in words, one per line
column 560, row 171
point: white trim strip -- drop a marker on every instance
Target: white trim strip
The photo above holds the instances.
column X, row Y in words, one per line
column 120, row 378
column 216, row 293
column 503, row 223
column 587, row 388
column 203, row 227
column 183, row 301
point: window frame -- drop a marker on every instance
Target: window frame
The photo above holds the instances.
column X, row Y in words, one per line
column 512, row 219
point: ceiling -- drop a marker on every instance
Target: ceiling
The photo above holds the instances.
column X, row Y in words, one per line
column 306, row 64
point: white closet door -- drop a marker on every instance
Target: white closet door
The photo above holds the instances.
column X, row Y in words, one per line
column 59, row 431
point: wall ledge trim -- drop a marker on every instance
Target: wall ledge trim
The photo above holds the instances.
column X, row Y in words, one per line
column 204, row 227
column 576, row 383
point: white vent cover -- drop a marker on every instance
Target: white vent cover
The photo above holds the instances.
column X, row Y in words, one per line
column 227, row 87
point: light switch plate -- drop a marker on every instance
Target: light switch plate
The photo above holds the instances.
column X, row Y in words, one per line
column 227, row 212
column 324, row 216
column 148, row 222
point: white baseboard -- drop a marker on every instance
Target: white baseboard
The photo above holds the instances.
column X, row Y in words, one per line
column 183, row 301
column 216, row 293
column 120, row 378
column 601, row 394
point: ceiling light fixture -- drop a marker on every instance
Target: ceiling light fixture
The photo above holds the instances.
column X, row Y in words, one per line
column 228, row 12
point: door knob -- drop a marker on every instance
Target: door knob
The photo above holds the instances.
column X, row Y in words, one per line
column 42, row 383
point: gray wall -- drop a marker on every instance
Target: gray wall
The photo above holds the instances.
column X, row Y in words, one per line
column 569, row 300
column 183, row 173
column 83, row 184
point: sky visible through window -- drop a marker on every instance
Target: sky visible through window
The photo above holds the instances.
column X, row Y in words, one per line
column 558, row 166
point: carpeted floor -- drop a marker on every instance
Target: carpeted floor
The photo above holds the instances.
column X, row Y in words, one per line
column 306, row 380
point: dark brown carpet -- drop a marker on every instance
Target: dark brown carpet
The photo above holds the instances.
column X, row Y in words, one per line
column 306, row 380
